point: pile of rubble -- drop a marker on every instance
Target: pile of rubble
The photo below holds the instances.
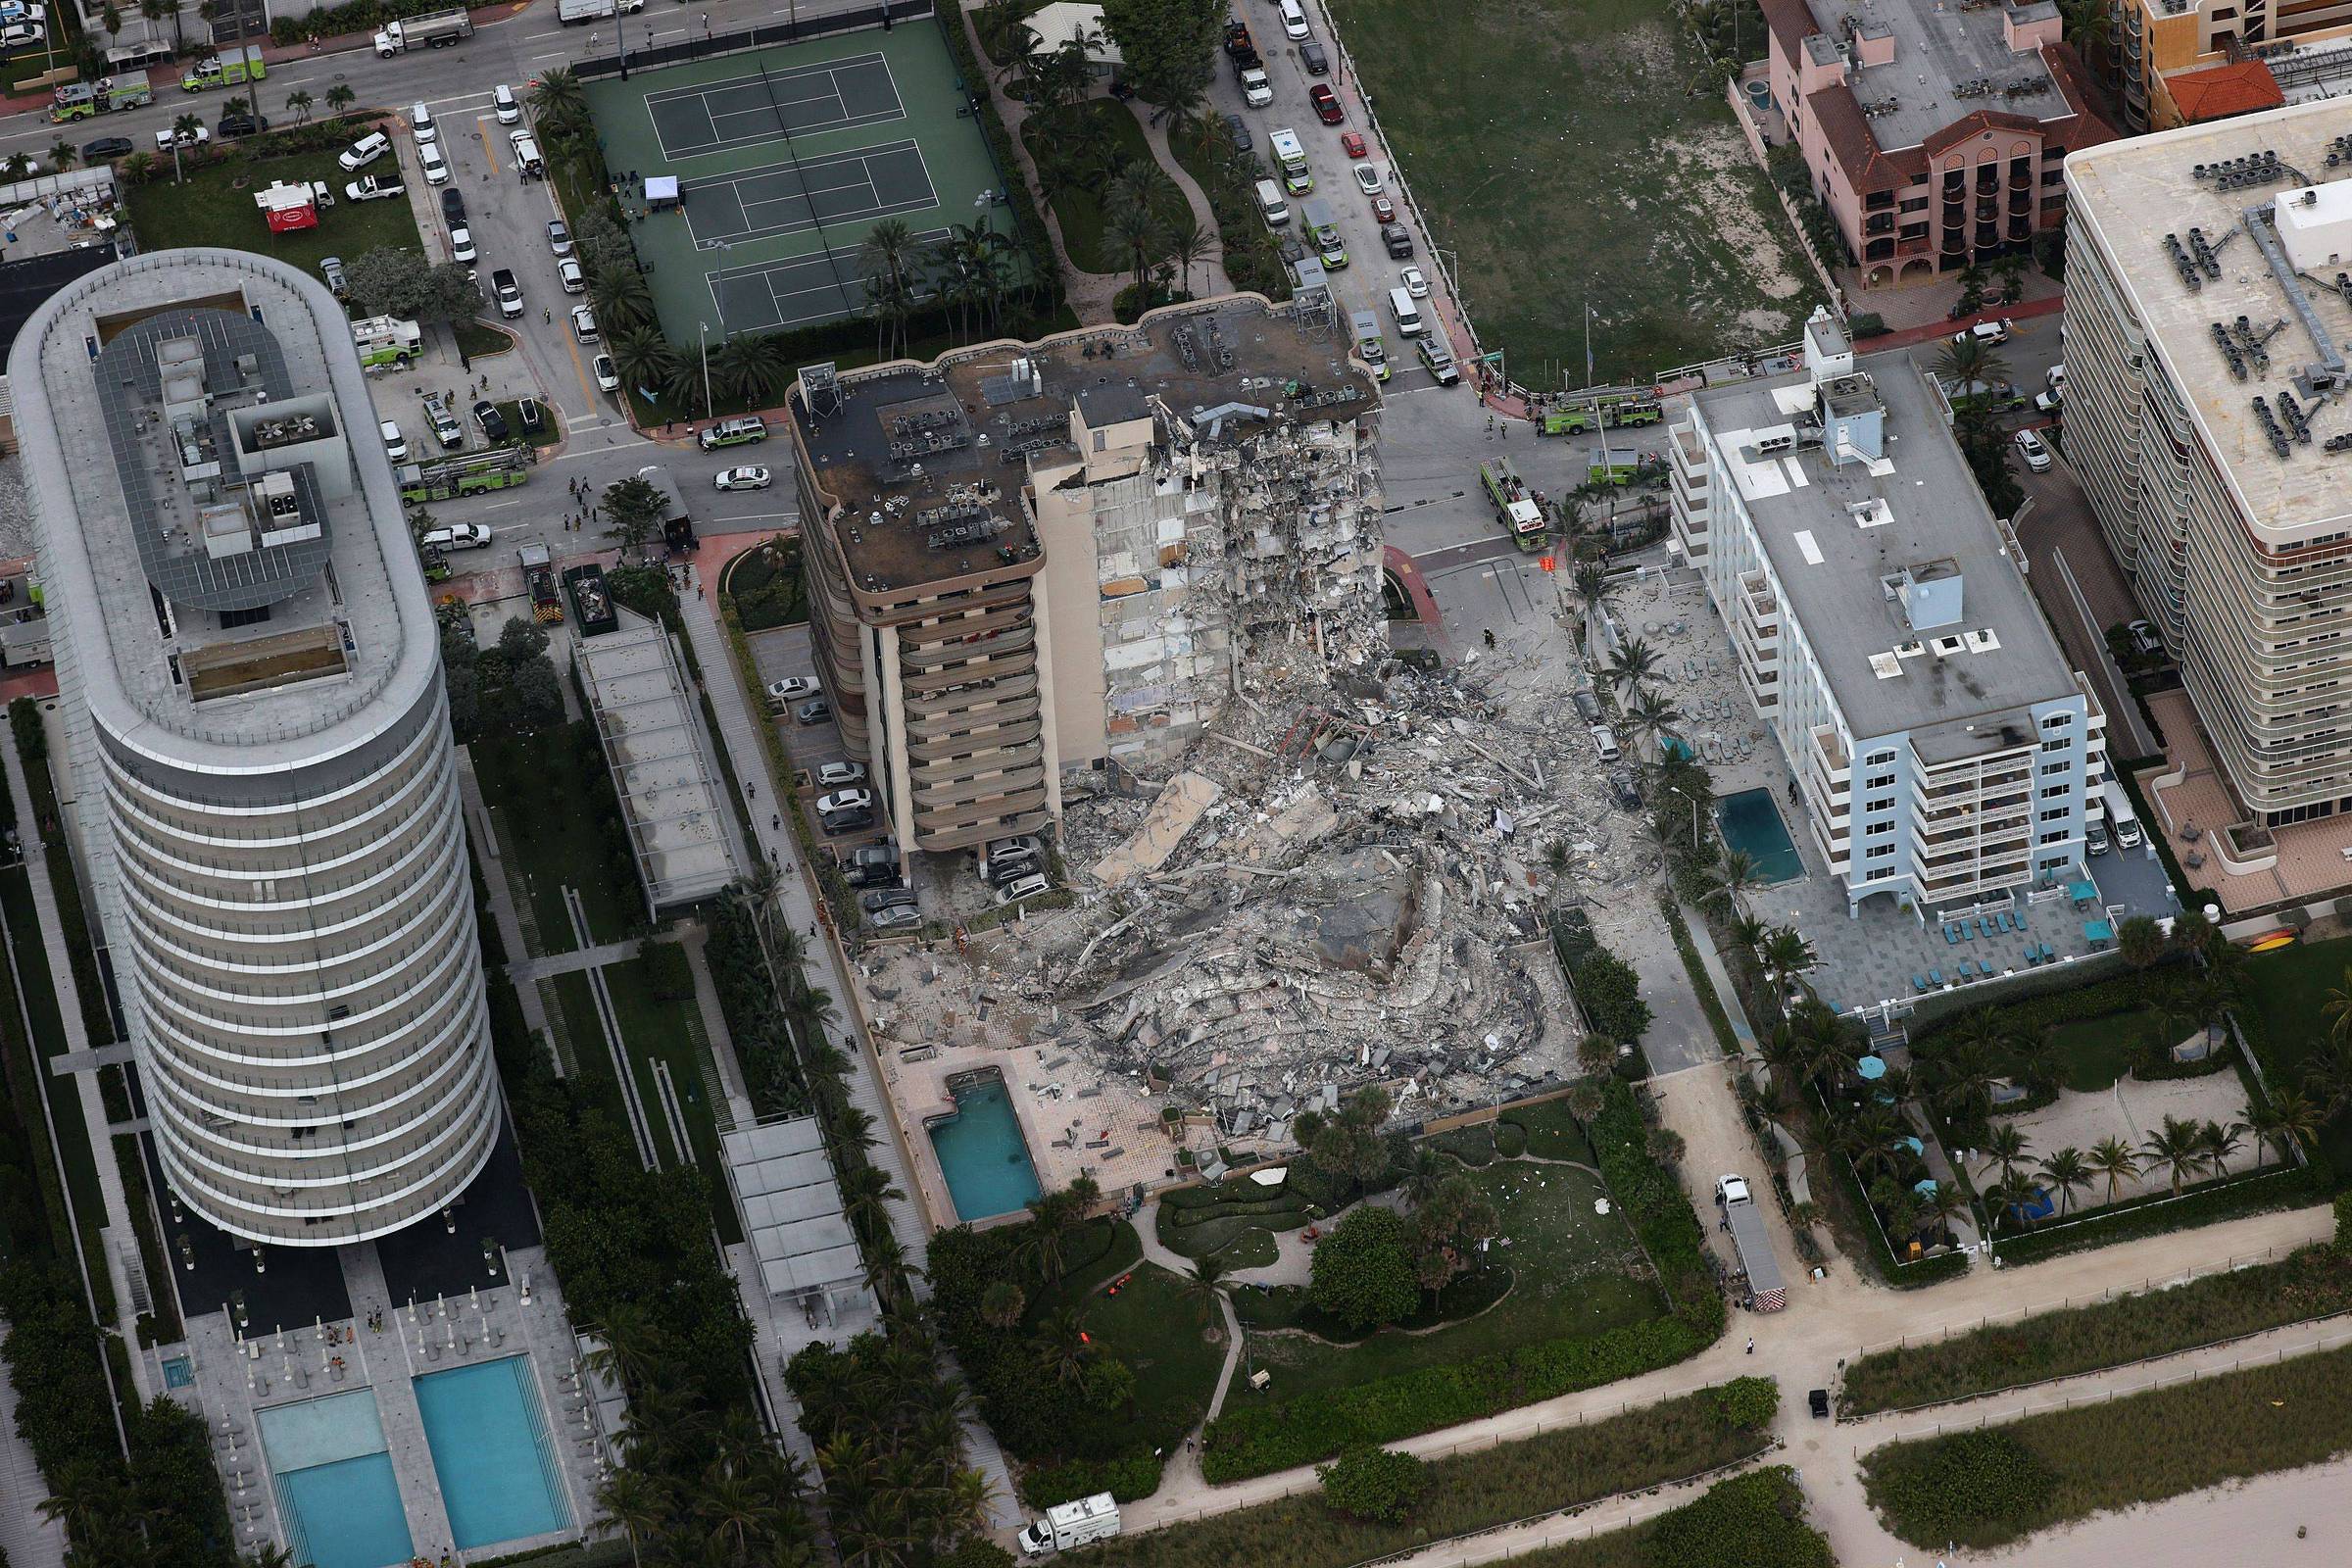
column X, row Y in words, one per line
column 1347, row 880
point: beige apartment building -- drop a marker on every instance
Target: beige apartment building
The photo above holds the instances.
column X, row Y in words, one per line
column 2209, row 297
column 1025, row 560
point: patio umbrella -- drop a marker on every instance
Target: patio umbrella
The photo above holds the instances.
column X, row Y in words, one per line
column 1916, row 1148
column 1924, row 1187
column 1870, row 1069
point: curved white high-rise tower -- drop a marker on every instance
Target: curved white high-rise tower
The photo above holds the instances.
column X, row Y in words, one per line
column 259, row 749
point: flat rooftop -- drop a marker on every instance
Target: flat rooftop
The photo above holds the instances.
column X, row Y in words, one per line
column 235, row 565
column 2130, row 196
column 926, row 460
column 1950, row 60
column 1834, row 534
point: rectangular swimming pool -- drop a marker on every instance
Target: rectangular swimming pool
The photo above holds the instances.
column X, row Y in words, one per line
column 336, row 1492
column 1751, row 822
column 492, row 1452
column 981, row 1151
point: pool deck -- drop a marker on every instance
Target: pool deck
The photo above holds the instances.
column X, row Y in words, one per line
column 277, row 1365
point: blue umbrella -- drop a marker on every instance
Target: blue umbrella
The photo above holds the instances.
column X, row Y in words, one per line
column 1870, row 1069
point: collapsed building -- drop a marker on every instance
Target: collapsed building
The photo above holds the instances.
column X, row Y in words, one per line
column 1029, row 561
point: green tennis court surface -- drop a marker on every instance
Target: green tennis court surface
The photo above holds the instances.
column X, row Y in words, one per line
column 785, row 159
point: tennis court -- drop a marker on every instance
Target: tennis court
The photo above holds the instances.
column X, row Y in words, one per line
column 785, row 159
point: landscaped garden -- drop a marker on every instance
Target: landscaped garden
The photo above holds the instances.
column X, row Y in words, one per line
column 1234, row 1220
column 1565, row 1468
column 765, row 583
column 1470, row 1291
column 551, row 799
column 1097, row 166
column 2287, row 1020
column 1988, row 1488
column 214, row 206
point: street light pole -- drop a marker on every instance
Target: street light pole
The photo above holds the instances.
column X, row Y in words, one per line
column 1677, row 789
column 703, row 336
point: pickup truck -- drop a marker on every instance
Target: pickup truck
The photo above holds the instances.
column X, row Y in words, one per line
column 373, row 189
column 507, row 291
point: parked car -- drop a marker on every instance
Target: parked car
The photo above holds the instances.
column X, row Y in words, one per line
column 396, row 445
column 458, row 536
column 1367, row 178
column 461, row 245
column 1987, row 334
column 1293, row 22
column 1027, row 886
column 507, row 291
column 445, row 428
column 887, row 899
column 502, row 99
column 453, row 206
column 242, row 125
column 834, row 775
column 330, row 268
column 367, row 150
column 814, row 711
column 583, row 327
column 1437, row 359
column 1622, row 790
column 534, row 417
column 1312, row 56
column 1588, row 706
column 2145, row 641
column 751, row 478
column 493, row 424
column 607, row 379
column 421, row 127
column 792, row 686
column 2048, row 404
column 569, row 274
column 168, row 139
column 1352, row 144
column 559, row 238
column 1238, row 131
column 1399, row 239
column 106, row 149
column 2029, row 447
column 895, row 918
column 1384, row 210
column 1414, row 283
column 435, row 166
column 847, row 822
column 847, row 801
column 375, row 189
column 1327, row 103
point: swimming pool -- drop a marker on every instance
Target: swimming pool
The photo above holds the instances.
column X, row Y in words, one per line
column 1751, row 822
column 336, row 1492
column 492, row 1452
column 981, row 1151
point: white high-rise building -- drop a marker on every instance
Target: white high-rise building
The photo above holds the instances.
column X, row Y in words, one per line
column 258, row 749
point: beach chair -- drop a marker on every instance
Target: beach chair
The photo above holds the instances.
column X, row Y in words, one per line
column 2021, row 920
column 1952, row 935
column 1919, row 983
column 1937, row 975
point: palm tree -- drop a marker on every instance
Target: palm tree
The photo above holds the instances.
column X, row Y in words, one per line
column 562, row 104
column 2112, row 1159
column 183, row 129
column 1650, row 714
column 61, row 154
column 1427, row 1173
column 157, row 11
column 1130, row 223
column 1062, row 1347
column 1591, row 582
column 1188, row 244
column 634, row 1503
column 340, row 97
column 238, row 105
column 138, row 167
column 2066, row 1173
column 1631, row 665
column 2007, row 1149
column 621, row 298
column 1053, row 1218
column 735, row 1511
column 644, row 356
column 2177, row 1148
column 1787, row 955
column 1969, row 360
column 2286, row 1119
column 1001, row 1304
column 1942, row 1205
column 2338, row 1008
column 1734, row 880
column 888, row 254
column 1205, row 1285
column 298, row 104
column 2220, row 1140
column 750, row 367
column 864, row 1192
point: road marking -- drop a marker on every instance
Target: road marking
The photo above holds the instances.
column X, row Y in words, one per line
column 483, row 128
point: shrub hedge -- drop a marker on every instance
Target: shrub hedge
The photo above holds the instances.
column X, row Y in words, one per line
column 2283, row 1187
column 2313, row 1282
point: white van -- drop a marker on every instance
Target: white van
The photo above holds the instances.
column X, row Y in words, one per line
column 1270, row 204
column 1408, row 314
column 1293, row 20
column 420, row 125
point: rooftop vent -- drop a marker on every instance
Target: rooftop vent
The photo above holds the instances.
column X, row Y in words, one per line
column 1886, row 665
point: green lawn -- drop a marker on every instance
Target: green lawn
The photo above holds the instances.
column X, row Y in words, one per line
column 1197, row 1221
column 1549, row 1132
column 80, row 1162
column 1078, row 209
column 2284, row 994
column 1567, row 1271
column 2091, row 1054
column 1556, row 149
column 1157, row 1333
column 215, row 207
column 671, row 1032
column 548, row 836
column 550, row 427
column 766, row 586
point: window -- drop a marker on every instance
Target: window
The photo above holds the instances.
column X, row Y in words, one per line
column 1875, row 807
column 2058, row 721
column 1878, row 853
column 2054, row 791
column 2058, row 815
column 1877, row 828
column 2048, row 769
column 2056, row 746
column 1876, row 758
column 1877, row 873
column 1878, row 781
column 2058, row 837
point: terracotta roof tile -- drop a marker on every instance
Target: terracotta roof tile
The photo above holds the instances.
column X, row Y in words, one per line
column 2216, row 92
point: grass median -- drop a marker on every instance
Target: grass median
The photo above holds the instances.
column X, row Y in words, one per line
column 1988, row 1488
column 2315, row 1282
column 1542, row 1474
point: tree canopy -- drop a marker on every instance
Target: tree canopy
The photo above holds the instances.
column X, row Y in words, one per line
column 398, row 281
column 1362, row 1274
column 1169, row 46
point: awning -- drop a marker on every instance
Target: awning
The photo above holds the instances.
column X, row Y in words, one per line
column 2083, row 892
column 2098, row 931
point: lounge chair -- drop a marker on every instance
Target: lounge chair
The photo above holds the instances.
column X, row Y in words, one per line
column 2001, row 920
column 2019, row 918
column 1935, row 975
column 1951, row 934
column 1919, row 983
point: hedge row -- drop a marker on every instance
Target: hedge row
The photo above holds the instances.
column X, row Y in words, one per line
column 2030, row 1015
column 2283, row 1188
column 1657, row 1208
column 1029, row 229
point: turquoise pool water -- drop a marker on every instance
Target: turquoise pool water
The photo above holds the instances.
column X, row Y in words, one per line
column 177, row 1374
column 1751, row 822
column 491, row 1453
column 981, row 1152
column 334, row 1483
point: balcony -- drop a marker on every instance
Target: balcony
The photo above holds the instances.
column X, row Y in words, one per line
column 1831, row 756
column 1955, row 242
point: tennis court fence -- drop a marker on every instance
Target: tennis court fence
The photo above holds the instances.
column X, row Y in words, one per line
column 711, row 45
